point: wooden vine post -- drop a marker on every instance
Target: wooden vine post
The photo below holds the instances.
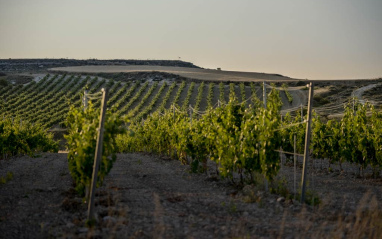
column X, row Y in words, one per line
column 190, row 115
column 264, row 95
column 265, row 107
column 173, row 110
column 307, row 140
column 85, row 100
column 98, row 155
column 294, row 166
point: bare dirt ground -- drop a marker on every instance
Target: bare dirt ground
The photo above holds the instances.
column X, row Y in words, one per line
column 374, row 95
column 193, row 73
column 148, row 197
column 360, row 91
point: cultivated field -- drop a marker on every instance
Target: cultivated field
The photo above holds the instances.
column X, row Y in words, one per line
column 46, row 99
column 193, row 73
column 147, row 195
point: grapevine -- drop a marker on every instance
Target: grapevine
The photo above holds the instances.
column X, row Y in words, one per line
column 81, row 139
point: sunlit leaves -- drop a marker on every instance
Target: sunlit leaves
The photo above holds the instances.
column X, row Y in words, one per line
column 81, row 140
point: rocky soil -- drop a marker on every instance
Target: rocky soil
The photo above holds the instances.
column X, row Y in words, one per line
column 148, row 197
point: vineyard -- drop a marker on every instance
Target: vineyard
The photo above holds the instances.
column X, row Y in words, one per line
column 176, row 116
column 230, row 130
column 47, row 100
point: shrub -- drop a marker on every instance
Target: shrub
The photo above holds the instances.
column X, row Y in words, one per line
column 82, row 139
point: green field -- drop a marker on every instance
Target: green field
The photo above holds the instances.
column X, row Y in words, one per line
column 47, row 101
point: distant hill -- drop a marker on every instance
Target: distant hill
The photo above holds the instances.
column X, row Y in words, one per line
column 41, row 65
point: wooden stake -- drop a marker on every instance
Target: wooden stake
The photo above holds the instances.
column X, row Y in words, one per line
column 173, row 109
column 264, row 95
column 313, row 167
column 265, row 107
column 294, row 166
column 85, row 100
column 98, row 154
column 307, row 141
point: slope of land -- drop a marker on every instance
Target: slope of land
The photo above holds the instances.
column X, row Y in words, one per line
column 41, row 65
column 45, row 99
column 193, row 73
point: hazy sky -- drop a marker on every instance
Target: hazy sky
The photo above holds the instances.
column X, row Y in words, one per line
column 314, row 39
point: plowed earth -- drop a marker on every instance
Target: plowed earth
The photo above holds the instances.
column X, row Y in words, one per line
column 194, row 73
column 146, row 196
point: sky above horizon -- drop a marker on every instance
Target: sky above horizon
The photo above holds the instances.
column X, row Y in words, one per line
column 326, row 39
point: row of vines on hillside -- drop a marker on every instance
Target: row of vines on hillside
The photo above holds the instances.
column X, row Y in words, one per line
column 137, row 95
column 188, row 96
column 210, row 95
column 46, row 102
column 238, row 139
column 287, row 93
column 198, row 99
column 143, row 113
column 23, row 137
column 137, row 108
column 167, row 97
column 245, row 140
column 356, row 138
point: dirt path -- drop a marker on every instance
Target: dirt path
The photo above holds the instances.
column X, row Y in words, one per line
column 148, row 197
column 359, row 92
